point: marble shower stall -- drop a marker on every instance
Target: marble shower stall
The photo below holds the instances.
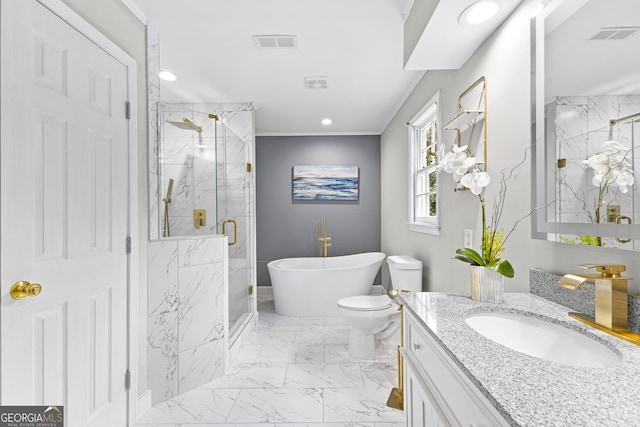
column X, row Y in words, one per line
column 212, row 170
column 197, row 295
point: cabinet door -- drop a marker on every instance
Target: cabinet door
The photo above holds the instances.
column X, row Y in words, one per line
column 420, row 409
column 452, row 394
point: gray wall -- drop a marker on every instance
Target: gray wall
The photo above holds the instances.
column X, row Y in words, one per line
column 286, row 228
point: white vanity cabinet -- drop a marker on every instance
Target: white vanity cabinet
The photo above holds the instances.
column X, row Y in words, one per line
column 437, row 392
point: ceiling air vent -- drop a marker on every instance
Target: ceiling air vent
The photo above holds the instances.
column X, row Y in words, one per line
column 615, row 33
column 275, row 42
column 316, row 82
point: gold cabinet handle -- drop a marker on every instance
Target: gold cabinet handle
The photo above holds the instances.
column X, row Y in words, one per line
column 235, row 230
column 23, row 289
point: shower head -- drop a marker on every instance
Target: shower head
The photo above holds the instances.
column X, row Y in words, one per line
column 186, row 124
column 213, row 116
column 167, row 199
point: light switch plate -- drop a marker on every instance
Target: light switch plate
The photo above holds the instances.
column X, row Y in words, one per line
column 468, row 238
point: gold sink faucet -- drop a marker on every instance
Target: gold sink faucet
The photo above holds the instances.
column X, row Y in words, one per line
column 612, row 297
column 324, row 239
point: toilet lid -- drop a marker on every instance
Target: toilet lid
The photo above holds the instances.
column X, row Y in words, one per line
column 365, row 302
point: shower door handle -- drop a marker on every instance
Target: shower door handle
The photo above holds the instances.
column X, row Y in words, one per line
column 235, row 230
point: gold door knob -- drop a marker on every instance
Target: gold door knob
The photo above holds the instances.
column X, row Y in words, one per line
column 23, row 289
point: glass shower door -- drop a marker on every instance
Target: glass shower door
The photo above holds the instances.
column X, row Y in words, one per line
column 235, row 219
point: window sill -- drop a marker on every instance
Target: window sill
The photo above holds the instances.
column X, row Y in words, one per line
column 421, row 227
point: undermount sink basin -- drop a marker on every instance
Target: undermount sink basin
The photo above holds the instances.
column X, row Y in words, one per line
column 545, row 340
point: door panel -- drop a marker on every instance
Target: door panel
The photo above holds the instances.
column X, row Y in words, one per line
column 100, row 192
column 50, row 354
column 100, row 351
column 49, row 169
column 64, row 218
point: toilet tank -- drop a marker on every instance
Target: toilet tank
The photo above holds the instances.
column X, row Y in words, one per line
column 406, row 273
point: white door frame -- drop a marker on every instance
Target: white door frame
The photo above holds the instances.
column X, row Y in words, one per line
column 85, row 28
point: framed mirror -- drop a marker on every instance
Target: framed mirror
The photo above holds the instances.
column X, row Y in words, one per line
column 586, row 124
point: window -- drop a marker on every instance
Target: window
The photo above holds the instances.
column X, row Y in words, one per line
column 424, row 136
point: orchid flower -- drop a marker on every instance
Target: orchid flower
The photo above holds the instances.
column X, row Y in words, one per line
column 610, row 167
column 475, row 181
column 467, row 172
column 624, row 180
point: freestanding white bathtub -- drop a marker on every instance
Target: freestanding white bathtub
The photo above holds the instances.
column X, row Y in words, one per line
column 313, row 286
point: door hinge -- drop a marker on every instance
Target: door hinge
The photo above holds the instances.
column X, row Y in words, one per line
column 128, row 245
column 250, row 290
column 249, row 167
column 127, row 380
column 127, row 110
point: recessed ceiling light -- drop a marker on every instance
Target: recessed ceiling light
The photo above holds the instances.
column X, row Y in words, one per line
column 167, row 76
column 327, row 121
column 479, row 12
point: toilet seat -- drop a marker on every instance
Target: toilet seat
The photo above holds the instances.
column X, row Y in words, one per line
column 365, row 303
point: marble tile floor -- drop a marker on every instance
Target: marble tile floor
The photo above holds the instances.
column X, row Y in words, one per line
column 292, row 372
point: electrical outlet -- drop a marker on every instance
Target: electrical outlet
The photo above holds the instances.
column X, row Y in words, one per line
column 468, row 238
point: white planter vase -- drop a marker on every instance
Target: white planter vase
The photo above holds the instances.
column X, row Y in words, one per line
column 487, row 285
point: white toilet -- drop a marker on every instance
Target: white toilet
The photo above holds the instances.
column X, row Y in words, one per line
column 374, row 317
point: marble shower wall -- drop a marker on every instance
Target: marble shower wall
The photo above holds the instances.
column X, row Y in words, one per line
column 581, row 127
column 153, row 100
column 197, row 163
column 187, row 313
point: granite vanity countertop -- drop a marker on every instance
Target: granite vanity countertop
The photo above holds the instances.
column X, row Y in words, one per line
column 528, row 391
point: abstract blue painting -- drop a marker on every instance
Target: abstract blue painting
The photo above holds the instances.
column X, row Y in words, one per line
column 319, row 182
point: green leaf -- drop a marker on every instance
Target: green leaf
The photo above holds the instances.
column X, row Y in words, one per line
column 470, row 254
column 501, row 266
column 465, row 259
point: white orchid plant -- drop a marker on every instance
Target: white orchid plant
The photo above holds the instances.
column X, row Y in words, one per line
column 611, row 168
column 468, row 173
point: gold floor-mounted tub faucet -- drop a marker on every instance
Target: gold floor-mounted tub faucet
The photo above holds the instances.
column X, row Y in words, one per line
column 324, row 239
column 612, row 299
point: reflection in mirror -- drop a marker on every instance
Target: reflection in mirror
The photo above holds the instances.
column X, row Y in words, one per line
column 587, row 122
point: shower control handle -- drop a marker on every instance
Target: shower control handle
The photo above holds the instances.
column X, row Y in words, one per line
column 199, row 218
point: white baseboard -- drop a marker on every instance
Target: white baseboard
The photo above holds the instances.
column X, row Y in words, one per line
column 143, row 403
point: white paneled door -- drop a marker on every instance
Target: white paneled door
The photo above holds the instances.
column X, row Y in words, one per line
column 64, row 218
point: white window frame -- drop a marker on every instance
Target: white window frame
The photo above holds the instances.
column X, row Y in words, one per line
column 430, row 111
